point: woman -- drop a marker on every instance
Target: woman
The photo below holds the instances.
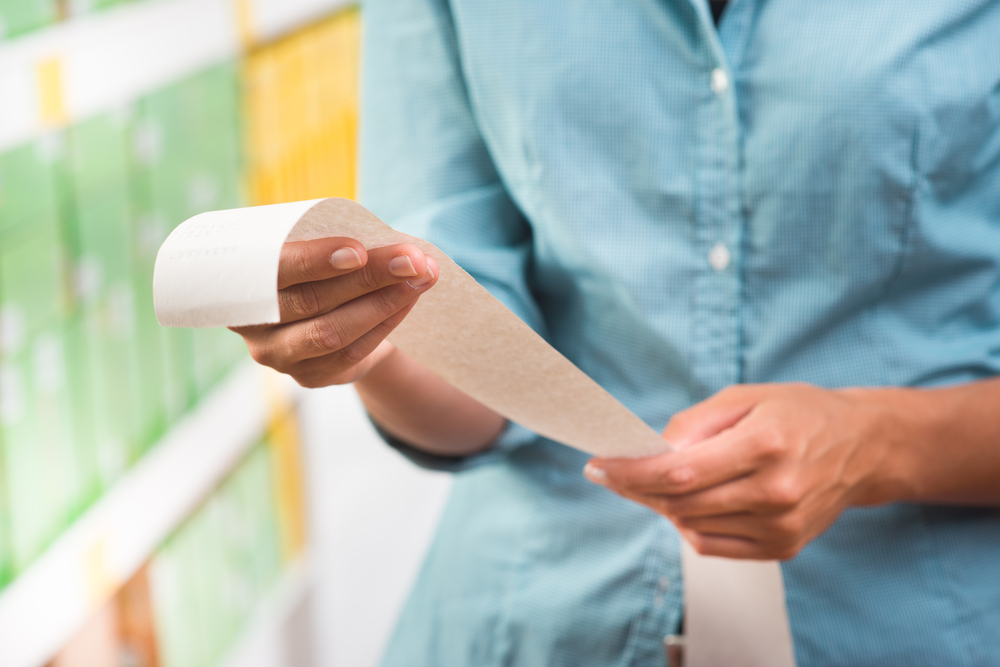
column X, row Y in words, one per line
column 728, row 229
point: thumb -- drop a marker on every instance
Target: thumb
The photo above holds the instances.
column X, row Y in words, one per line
column 710, row 417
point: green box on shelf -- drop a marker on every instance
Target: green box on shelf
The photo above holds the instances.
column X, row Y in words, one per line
column 216, row 351
column 20, row 16
column 6, row 557
column 187, row 153
column 151, row 342
column 100, row 225
column 5, row 547
column 28, row 504
column 56, row 415
column 218, row 567
column 267, row 560
column 188, row 141
column 159, row 381
column 44, row 450
column 44, row 482
column 27, row 186
column 169, row 595
column 32, row 264
column 262, row 507
column 32, row 283
column 236, row 594
column 212, row 581
column 193, row 546
column 238, row 527
column 79, row 386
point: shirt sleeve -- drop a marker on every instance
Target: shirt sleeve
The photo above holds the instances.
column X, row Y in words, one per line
column 514, row 436
column 425, row 169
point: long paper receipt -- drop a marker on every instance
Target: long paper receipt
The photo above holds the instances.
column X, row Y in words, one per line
column 221, row 269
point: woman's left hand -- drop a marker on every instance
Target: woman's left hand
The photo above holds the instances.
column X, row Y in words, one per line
column 760, row 470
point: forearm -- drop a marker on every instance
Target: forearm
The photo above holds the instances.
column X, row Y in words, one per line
column 420, row 408
column 938, row 445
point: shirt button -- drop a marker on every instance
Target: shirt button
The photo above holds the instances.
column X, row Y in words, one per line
column 718, row 257
column 720, row 81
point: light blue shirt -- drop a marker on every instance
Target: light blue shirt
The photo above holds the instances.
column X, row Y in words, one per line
column 810, row 193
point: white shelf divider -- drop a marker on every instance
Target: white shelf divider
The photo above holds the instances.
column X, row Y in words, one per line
column 48, row 603
column 107, row 59
column 273, row 18
column 104, row 60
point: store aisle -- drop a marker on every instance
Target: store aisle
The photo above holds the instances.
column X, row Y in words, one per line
column 371, row 517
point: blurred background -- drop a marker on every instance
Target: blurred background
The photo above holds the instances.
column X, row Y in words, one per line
column 163, row 501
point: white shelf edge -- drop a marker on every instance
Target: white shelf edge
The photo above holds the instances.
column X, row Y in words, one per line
column 110, row 58
column 48, row 603
column 274, row 18
column 260, row 637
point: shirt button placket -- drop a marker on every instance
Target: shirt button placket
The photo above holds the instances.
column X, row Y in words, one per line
column 716, row 362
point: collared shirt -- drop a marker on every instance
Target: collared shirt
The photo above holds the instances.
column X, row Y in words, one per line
column 718, row 7
column 810, row 194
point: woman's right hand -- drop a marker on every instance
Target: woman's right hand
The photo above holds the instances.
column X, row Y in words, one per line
column 338, row 303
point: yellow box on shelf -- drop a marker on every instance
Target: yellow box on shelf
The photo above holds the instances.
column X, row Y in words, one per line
column 288, row 484
column 301, row 100
column 51, row 98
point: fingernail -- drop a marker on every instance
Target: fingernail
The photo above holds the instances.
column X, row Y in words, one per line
column 402, row 267
column 427, row 277
column 345, row 258
column 595, row 474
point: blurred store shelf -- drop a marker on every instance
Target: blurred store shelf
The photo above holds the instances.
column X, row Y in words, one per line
column 99, row 62
column 42, row 609
column 114, row 76
column 274, row 636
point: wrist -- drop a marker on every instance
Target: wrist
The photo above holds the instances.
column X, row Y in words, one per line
column 895, row 426
column 377, row 365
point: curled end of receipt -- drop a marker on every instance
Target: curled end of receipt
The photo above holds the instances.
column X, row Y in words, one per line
column 220, row 268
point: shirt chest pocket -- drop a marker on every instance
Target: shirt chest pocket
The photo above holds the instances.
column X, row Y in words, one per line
column 829, row 175
column 959, row 136
column 848, row 138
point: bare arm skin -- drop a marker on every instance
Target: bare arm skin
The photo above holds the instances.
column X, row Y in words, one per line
column 423, row 410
